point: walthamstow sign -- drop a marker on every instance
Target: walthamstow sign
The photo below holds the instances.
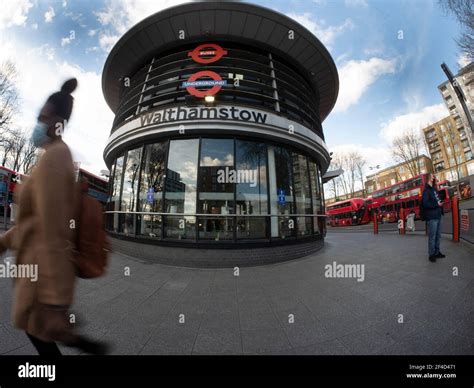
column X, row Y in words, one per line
column 202, row 113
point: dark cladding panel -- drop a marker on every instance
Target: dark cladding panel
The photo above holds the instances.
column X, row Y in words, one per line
column 287, row 44
column 279, row 33
column 301, row 47
column 144, row 41
column 237, row 22
column 252, row 25
column 178, row 24
column 307, row 55
column 167, row 32
column 265, row 30
column 222, row 22
column 155, row 34
column 207, row 19
column 193, row 23
column 297, row 47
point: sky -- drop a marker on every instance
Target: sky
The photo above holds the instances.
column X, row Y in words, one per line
column 388, row 55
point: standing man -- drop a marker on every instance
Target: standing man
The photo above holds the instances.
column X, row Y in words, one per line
column 433, row 209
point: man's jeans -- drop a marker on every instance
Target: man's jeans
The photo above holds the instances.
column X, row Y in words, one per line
column 434, row 235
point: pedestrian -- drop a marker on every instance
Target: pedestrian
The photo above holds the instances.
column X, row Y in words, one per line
column 433, row 212
column 42, row 236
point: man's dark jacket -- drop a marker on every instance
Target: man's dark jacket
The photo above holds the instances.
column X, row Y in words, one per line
column 430, row 199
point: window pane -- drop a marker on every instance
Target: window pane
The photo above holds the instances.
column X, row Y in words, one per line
column 180, row 188
column 181, row 176
column 117, row 188
column 302, row 193
column 284, row 192
column 151, row 189
column 217, row 178
column 130, row 189
column 251, row 193
column 316, row 196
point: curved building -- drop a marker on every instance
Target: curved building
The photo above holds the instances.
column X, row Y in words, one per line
column 217, row 139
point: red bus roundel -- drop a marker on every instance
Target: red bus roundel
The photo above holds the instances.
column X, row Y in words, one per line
column 211, row 50
column 217, row 84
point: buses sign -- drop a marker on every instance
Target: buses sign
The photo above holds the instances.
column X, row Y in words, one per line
column 207, row 53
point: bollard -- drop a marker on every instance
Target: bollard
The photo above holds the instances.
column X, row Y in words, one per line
column 376, row 225
column 455, row 210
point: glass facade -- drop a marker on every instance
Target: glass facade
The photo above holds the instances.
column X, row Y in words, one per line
column 215, row 190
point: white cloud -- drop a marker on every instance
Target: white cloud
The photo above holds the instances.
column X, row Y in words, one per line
column 49, row 15
column 355, row 77
column 92, row 32
column 463, row 60
column 14, row 13
column 119, row 15
column 64, row 4
column 373, row 155
column 91, row 120
column 34, row 26
column 412, row 121
column 356, row 3
column 92, row 49
column 44, row 50
column 106, row 42
column 326, row 34
column 65, row 41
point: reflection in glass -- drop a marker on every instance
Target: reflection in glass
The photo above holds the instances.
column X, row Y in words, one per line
column 117, row 188
column 151, row 189
column 130, row 189
column 316, row 196
column 216, row 188
column 180, row 187
column 302, row 193
column 284, row 197
column 251, row 192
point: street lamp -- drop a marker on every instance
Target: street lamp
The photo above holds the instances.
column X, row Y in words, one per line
column 376, row 167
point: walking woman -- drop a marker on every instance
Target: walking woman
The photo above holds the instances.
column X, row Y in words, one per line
column 43, row 236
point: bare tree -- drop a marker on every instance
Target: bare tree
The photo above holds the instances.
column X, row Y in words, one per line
column 18, row 141
column 352, row 164
column 334, row 184
column 29, row 157
column 407, row 148
column 8, row 95
column 360, row 163
column 463, row 10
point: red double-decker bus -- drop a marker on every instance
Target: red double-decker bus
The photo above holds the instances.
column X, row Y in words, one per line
column 388, row 201
column 350, row 212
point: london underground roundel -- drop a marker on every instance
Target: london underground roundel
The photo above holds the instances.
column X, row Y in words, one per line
column 207, row 53
column 216, row 83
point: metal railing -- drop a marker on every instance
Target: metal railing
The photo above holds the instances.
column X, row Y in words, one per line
column 205, row 227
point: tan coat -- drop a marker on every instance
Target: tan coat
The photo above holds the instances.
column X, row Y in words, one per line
column 43, row 236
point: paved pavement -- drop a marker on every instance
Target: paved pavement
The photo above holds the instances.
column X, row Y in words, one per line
column 286, row 308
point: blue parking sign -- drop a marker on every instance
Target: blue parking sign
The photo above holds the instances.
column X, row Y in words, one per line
column 150, row 195
column 281, row 197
